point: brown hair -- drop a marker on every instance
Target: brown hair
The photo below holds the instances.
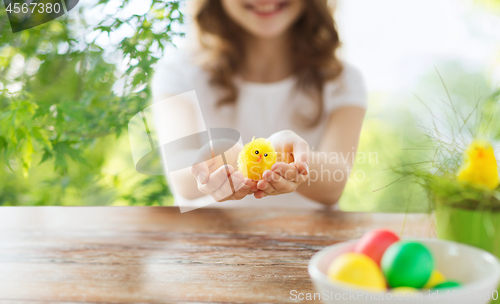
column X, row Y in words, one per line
column 314, row 41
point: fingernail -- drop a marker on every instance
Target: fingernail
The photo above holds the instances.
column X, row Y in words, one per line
column 307, row 169
column 201, row 177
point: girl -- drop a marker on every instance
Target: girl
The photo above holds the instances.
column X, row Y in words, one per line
column 268, row 68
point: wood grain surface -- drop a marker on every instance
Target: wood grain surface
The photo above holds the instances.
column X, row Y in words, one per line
column 158, row 255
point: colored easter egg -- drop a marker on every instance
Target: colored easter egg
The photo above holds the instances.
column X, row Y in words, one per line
column 404, row 290
column 375, row 242
column 436, row 278
column 407, row 264
column 447, row 285
column 357, row 269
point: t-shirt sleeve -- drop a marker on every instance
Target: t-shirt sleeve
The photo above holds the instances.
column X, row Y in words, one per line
column 171, row 75
column 348, row 89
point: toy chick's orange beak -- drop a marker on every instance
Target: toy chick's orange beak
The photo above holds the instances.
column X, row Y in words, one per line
column 260, row 157
column 480, row 153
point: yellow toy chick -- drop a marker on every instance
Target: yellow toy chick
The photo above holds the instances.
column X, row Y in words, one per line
column 256, row 157
column 480, row 166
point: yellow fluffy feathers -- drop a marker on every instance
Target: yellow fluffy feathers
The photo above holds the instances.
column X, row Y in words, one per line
column 256, row 157
column 480, row 166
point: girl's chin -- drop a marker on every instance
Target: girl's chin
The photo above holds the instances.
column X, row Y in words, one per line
column 268, row 32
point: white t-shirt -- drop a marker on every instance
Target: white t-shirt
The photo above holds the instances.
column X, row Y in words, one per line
column 261, row 109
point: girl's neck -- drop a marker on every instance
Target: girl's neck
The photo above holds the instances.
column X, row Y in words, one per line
column 266, row 60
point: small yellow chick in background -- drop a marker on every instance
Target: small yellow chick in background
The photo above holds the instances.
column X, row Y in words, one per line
column 256, row 157
column 480, row 166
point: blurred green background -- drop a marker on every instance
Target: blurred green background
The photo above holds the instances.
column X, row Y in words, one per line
column 66, row 100
column 69, row 87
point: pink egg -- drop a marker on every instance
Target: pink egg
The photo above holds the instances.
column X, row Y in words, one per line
column 375, row 242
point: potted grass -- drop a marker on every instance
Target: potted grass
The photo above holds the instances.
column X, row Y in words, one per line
column 460, row 174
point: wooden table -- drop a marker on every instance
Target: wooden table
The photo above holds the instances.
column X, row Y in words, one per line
column 158, row 255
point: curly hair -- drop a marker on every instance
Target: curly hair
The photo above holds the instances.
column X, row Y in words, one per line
column 314, row 42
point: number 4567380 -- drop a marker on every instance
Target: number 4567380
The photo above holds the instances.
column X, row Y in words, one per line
column 41, row 8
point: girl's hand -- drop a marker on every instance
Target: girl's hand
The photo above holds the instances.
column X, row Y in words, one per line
column 291, row 168
column 215, row 180
column 218, row 180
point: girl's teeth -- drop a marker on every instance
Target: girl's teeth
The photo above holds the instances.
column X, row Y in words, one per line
column 266, row 8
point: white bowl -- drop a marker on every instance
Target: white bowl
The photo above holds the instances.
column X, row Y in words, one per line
column 476, row 269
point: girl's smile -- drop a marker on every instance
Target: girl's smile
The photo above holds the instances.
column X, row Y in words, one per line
column 266, row 8
column 264, row 18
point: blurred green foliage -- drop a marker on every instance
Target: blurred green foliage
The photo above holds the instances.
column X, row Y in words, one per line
column 65, row 102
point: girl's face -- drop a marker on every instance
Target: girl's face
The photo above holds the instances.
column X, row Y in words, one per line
column 264, row 18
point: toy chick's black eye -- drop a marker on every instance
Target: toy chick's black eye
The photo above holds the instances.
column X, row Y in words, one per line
column 256, row 151
column 265, row 154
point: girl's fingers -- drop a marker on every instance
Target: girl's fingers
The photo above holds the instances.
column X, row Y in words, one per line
column 254, row 186
column 202, row 164
column 283, row 178
column 201, row 172
column 300, row 152
column 241, row 185
column 242, row 192
column 216, row 179
column 302, row 167
column 262, row 184
column 225, row 192
column 280, row 184
column 288, row 171
column 238, row 180
column 260, row 194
